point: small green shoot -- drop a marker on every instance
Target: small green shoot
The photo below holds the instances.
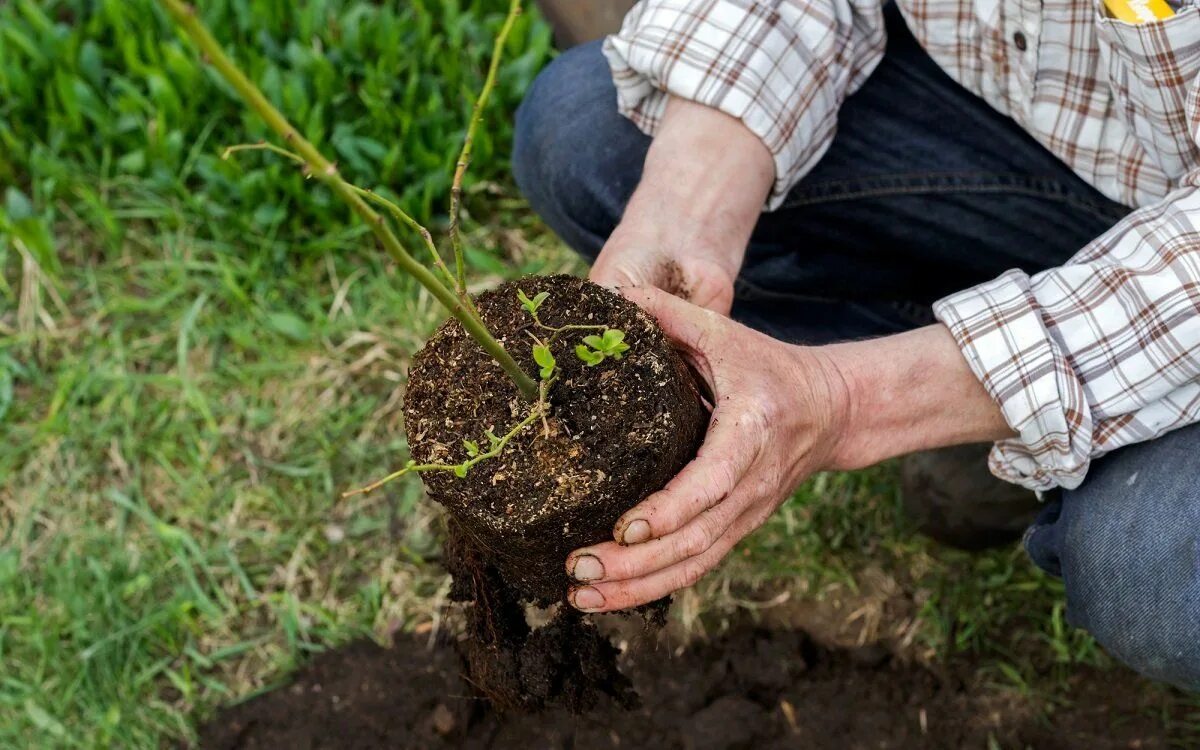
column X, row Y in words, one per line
column 532, row 305
column 595, row 349
column 545, row 360
column 472, row 448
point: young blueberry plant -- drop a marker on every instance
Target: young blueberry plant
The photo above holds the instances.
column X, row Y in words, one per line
column 592, row 351
column 447, row 287
column 450, row 289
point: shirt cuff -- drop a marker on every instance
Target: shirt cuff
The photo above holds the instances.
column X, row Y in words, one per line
column 1001, row 331
column 736, row 57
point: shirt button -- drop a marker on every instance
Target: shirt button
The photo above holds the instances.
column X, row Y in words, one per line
column 1019, row 41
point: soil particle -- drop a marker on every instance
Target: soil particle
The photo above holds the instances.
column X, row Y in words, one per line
column 676, row 281
column 746, row 688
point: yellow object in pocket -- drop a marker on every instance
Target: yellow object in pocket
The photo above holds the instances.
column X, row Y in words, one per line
column 1139, row 11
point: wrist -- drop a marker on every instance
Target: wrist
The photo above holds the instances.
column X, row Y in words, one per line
column 909, row 392
column 705, row 180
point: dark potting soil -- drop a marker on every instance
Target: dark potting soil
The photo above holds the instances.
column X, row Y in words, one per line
column 616, row 431
column 748, row 688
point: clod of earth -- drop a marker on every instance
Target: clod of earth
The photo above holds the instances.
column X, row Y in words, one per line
column 615, row 432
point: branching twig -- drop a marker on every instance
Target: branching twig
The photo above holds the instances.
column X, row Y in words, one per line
column 464, row 158
column 537, row 412
column 320, row 167
column 426, row 238
column 264, row 146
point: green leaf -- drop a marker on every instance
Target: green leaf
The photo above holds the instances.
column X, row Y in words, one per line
column 493, row 441
column 43, row 720
column 613, row 337
column 472, row 448
column 588, row 356
column 594, row 341
column 17, row 205
column 460, row 471
column 532, row 305
column 6, row 390
column 542, row 355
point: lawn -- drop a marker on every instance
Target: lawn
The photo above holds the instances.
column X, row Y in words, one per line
column 197, row 356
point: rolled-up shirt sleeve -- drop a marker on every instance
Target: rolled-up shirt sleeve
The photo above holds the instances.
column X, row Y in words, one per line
column 1094, row 355
column 783, row 68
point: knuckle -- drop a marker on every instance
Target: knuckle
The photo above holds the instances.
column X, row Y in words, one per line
column 711, row 527
column 722, row 474
column 692, row 573
column 692, row 542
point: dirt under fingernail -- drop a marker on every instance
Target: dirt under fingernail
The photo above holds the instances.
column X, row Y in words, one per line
column 588, row 598
column 636, row 532
column 587, row 568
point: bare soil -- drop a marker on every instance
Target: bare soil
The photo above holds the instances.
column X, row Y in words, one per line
column 747, row 688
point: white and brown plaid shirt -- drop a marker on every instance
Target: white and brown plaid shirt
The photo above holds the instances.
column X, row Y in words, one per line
column 1083, row 359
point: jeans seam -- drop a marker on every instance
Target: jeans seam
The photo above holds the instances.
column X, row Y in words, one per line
column 812, row 194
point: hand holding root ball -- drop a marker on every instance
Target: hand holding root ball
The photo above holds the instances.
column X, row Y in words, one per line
column 778, row 410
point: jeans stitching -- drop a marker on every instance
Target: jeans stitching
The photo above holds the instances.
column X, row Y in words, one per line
column 818, row 194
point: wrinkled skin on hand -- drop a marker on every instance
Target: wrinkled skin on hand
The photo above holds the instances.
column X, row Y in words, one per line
column 777, row 414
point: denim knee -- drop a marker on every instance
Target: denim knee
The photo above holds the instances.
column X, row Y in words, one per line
column 1127, row 545
column 575, row 157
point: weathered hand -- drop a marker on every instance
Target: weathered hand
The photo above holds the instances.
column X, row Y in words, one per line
column 633, row 258
column 778, row 414
column 686, row 227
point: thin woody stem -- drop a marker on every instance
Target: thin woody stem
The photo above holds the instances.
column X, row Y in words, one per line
column 263, row 146
column 537, row 412
column 185, row 16
column 464, row 158
column 426, row 238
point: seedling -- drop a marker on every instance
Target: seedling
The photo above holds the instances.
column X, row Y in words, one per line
column 595, row 349
column 448, row 288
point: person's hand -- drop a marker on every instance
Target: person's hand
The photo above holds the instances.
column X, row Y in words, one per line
column 778, row 412
column 781, row 413
column 686, row 227
column 637, row 256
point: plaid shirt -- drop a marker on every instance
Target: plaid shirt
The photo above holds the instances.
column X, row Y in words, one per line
column 1082, row 359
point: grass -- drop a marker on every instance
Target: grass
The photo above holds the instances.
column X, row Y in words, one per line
column 197, row 356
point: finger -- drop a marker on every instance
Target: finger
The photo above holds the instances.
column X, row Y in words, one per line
column 724, row 458
column 608, row 596
column 614, row 562
column 615, row 276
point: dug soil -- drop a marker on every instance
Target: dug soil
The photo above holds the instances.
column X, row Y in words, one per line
column 749, row 688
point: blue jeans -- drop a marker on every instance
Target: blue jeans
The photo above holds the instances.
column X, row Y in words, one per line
column 925, row 191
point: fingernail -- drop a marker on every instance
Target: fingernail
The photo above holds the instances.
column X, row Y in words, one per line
column 587, row 568
column 636, row 532
column 587, row 598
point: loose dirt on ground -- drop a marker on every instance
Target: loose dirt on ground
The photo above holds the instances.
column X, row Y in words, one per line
column 748, row 688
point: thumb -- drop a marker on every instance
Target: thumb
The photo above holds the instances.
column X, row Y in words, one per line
column 686, row 324
column 614, row 273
